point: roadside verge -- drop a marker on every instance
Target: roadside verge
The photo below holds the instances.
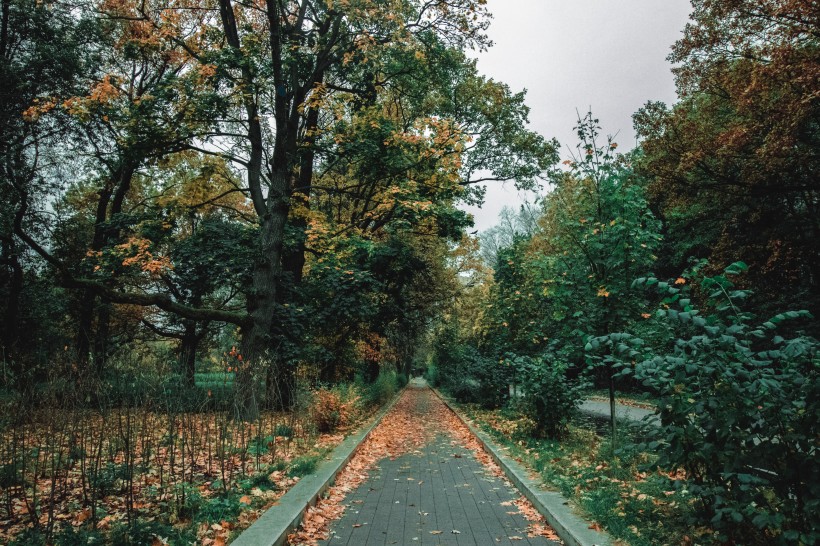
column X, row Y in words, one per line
column 272, row 527
column 570, row 527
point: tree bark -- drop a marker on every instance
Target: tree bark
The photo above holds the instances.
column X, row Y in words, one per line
column 188, row 348
column 11, row 314
column 263, row 302
column 294, row 257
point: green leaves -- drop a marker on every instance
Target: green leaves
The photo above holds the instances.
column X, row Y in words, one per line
column 735, row 406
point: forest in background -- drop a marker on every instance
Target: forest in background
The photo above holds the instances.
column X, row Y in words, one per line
column 231, row 209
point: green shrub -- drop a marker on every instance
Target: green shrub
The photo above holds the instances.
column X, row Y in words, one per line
column 739, row 407
column 302, row 466
column 283, row 430
column 259, row 445
column 221, row 508
column 109, row 478
column 29, row 537
column 381, row 390
column 143, row 531
column 83, row 536
column 432, row 376
column 473, row 378
column 547, row 396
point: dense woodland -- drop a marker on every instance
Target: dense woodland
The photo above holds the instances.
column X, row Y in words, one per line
column 216, row 207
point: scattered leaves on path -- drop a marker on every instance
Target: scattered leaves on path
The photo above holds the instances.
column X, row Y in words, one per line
column 416, row 419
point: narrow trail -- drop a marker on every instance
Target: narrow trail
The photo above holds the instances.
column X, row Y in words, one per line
column 421, row 477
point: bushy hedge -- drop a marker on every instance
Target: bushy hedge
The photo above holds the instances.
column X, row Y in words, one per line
column 545, row 394
column 469, row 377
column 739, row 406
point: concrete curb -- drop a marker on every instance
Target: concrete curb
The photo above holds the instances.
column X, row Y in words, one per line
column 273, row 526
column 571, row 528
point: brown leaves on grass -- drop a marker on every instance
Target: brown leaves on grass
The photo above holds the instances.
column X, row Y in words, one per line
column 68, row 455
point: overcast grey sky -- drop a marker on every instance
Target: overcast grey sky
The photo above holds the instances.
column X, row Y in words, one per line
column 575, row 54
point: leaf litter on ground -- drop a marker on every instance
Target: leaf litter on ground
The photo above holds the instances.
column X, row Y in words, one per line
column 418, row 418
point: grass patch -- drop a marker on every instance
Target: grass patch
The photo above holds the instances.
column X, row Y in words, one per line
column 626, row 493
column 302, row 466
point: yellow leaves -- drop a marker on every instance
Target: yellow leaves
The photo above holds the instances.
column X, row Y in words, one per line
column 680, row 280
column 602, row 292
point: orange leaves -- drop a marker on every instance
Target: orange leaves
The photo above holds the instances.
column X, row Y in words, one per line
column 602, row 292
column 38, row 108
column 401, row 431
column 333, row 408
column 193, row 449
column 136, row 251
column 82, row 516
column 104, row 91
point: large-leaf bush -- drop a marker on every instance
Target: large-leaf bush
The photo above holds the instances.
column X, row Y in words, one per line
column 739, row 406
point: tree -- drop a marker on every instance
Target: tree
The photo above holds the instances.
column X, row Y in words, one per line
column 43, row 53
column 732, row 164
column 512, row 224
column 288, row 79
column 571, row 281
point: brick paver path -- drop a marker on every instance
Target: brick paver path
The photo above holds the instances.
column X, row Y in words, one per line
column 438, row 493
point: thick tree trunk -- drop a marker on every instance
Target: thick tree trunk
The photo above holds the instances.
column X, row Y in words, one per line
column 88, row 298
column 262, row 306
column 294, row 257
column 112, row 197
column 328, row 371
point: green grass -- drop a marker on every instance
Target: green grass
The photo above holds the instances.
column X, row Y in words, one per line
column 302, row 466
column 214, row 379
column 626, row 493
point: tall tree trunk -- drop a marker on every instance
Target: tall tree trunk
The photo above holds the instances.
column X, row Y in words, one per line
column 187, row 354
column 110, row 204
column 262, row 305
column 102, row 334
column 294, row 257
column 11, row 314
column 88, row 298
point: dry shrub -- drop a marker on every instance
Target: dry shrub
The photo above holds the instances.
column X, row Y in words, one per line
column 333, row 408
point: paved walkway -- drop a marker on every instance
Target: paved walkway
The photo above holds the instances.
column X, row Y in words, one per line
column 622, row 412
column 437, row 494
